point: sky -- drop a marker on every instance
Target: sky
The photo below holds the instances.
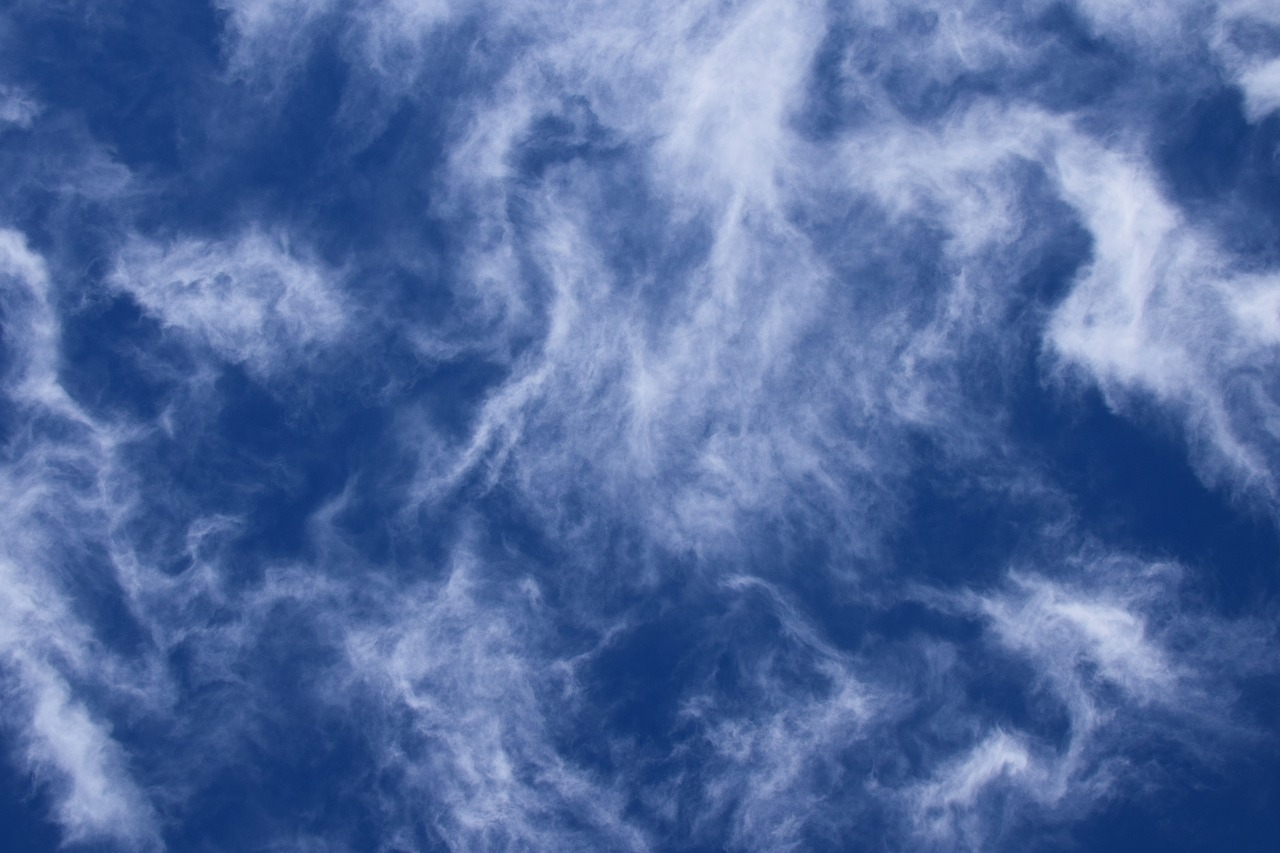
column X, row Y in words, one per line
column 453, row 425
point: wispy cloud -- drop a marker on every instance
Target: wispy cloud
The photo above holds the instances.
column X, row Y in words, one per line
column 17, row 107
column 467, row 718
column 726, row 350
column 250, row 300
column 45, row 645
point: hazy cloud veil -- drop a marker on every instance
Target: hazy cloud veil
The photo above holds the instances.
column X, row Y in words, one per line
column 759, row 425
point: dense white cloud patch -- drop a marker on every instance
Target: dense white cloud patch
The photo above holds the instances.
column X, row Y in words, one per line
column 1161, row 310
column 1261, row 86
column 88, row 772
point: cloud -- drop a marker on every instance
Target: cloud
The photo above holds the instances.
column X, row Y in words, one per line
column 1161, row 310
column 34, row 372
column 1128, row 659
column 467, row 720
column 267, row 40
column 251, row 300
column 774, row 767
column 949, row 804
column 17, row 107
column 1070, row 632
column 759, row 368
column 694, row 360
column 1243, row 39
column 1261, row 86
column 684, row 363
column 95, row 797
column 45, row 648
column 722, row 306
column 394, row 36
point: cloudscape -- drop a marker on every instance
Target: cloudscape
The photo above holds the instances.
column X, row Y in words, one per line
column 656, row 426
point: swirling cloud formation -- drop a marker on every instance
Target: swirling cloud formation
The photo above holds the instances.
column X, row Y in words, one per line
column 453, row 425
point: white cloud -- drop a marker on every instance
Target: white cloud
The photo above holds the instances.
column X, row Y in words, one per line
column 252, row 300
column 1065, row 630
column 753, row 374
column 468, row 715
column 1261, row 85
column 1128, row 660
column 1159, row 310
column 1250, row 61
column 729, row 102
column 767, row 768
column 45, row 648
column 95, row 798
column 26, row 291
column 388, row 43
column 687, row 391
column 705, row 395
column 948, row 807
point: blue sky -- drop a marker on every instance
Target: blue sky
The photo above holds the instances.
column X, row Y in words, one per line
column 434, row 425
